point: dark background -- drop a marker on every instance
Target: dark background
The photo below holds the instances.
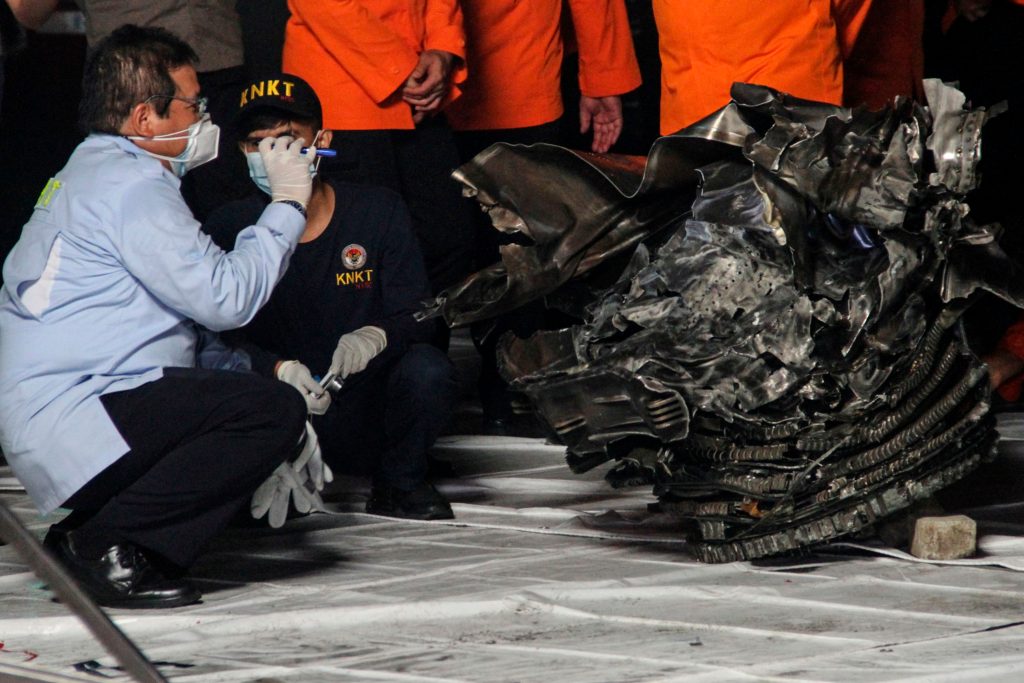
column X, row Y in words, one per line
column 42, row 88
column 43, row 85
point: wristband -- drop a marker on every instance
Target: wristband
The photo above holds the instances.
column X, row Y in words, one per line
column 291, row 202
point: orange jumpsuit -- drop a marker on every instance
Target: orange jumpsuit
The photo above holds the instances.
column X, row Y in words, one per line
column 796, row 46
column 357, row 54
column 515, row 52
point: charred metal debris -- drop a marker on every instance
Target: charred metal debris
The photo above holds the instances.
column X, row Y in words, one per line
column 768, row 311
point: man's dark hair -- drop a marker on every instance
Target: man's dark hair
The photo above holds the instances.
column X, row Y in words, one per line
column 126, row 68
column 266, row 118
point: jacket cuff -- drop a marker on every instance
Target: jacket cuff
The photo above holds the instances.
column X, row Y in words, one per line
column 609, row 82
column 284, row 219
column 450, row 39
column 393, row 77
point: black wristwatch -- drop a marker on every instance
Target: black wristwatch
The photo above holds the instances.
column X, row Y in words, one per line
column 291, row 202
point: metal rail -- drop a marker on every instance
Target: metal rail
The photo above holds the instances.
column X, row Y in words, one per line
column 63, row 585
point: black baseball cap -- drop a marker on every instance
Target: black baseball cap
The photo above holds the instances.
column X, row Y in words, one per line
column 281, row 92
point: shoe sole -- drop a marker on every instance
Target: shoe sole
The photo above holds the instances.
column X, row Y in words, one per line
column 150, row 603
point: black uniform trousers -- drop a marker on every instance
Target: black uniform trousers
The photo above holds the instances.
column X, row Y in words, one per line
column 384, row 420
column 201, row 442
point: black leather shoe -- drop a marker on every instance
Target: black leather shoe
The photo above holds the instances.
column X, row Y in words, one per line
column 121, row 576
column 494, row 426
column 423, row 502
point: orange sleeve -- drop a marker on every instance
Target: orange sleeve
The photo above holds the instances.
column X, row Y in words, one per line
column 445, row 32
column 608, row 63
column 372, row 54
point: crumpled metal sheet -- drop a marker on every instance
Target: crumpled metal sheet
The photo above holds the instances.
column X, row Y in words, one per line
column 955, row 140
column 568, row 208
column 783, row 362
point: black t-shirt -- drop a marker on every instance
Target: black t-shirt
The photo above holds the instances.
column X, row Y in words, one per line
column 364, row 269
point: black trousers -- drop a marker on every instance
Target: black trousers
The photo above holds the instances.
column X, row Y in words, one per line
column 386, row 418
column 417, row 164
column 201, row 442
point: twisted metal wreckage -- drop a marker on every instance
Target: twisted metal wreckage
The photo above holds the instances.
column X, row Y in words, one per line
column 769, row 311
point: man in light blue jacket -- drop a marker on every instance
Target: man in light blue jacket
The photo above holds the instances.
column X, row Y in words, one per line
column 116, row 400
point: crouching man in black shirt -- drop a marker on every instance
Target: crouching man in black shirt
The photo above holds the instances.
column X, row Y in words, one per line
column 345, row 307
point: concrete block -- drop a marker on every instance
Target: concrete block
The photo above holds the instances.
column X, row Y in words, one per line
column 898, row 529
column 944, row 538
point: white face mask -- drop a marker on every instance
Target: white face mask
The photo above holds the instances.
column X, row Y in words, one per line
column 203, row 137
column 258, row 172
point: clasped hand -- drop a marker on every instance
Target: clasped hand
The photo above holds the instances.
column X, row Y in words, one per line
column 427, row 85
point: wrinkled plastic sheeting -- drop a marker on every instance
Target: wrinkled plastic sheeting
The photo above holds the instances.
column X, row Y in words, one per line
column 783, row 363
column 546, row 576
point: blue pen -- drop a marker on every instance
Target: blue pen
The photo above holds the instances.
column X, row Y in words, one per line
column 322, row 152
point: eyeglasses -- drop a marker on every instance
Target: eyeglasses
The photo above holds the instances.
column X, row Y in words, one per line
column 198, row 104
column 251, row 143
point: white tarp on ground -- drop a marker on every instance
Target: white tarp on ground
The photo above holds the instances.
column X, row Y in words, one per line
column 546, row 576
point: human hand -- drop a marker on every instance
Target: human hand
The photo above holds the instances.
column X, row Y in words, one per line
column 427, row 85
column 295, row 373
column 972, row 10
column 356, row 349
column 604, row 115
column 287, row 169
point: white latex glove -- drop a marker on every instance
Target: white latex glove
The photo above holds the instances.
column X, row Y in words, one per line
column 311, row 461
column 297, row 483
column 275, row 494
column 295, row 373
column 287, row 169
column 356, row 349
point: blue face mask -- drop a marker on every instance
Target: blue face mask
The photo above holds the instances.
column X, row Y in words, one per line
column 258, row 172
